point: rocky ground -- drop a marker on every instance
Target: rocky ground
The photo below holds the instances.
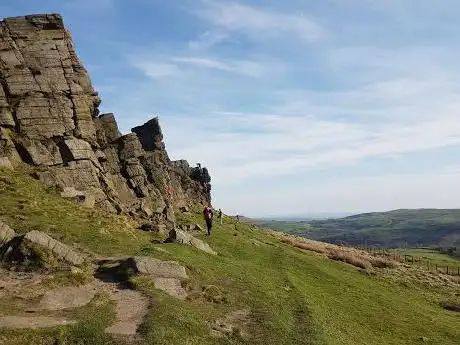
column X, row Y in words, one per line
column 106, row 275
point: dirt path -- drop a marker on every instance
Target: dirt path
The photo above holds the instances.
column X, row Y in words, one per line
column 131, row 310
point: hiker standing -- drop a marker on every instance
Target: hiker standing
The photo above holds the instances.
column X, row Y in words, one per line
column 219, row 216
column 208, row 214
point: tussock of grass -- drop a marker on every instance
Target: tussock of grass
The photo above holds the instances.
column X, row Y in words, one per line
column 312, row 246
column 349, row 257
column 382, row 262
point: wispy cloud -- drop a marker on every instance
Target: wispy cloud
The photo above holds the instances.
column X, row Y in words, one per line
column 258, row 21
column 274, row 145
column 156, row 69
column 208, row 39
column 244, row 67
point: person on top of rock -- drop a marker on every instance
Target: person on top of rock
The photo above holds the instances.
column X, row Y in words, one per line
column 208, row 214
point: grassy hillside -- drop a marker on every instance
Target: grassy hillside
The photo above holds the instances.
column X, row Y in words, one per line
column 283, row 225
column 400, row 228
column 295, row 296
column 434, row 256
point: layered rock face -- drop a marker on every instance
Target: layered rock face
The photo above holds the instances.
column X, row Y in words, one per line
column 49, row 118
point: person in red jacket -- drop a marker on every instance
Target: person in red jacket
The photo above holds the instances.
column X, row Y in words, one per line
column 208, row 214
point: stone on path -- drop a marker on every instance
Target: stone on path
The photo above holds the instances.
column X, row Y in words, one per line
column 158, row 268
column 68, row 297
column 167, row 275
column 32, row 322
column 131, row 309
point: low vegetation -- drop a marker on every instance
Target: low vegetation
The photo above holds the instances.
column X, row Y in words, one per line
column 352, row 256
column 400, row 228
column 274, row 289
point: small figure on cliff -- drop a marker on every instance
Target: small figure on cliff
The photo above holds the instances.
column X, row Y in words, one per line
column 169, row 190
column 219, row 216
column 208, row 214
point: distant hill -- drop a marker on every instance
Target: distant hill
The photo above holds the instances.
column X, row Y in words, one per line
column 399, row 228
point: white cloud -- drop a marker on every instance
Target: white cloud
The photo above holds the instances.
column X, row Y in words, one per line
column 259, row 22
column 350, row 194
column 342, row 104
column 278, row 145
column 156, row 69
column 157, row 66
column 243, row 67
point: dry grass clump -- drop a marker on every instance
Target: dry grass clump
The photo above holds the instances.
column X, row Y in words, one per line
column 317, row 247
column 382, row 262
column 352, row 256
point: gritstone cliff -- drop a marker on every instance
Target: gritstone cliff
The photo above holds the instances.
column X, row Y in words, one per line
column 49, row 119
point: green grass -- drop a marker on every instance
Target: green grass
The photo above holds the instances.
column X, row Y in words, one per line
column 399, row 228
column 28, row 205
column 284, row 226
column 295, row 297
column 434, row 256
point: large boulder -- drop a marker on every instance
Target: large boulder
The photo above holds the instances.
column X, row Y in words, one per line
column 167, row 276
column 158, row 268
column 182, row 237
column 59, row 250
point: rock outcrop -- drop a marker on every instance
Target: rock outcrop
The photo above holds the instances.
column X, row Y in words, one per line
column 60, row 250
column 49, row 118
column 166, row 275
column 179, row 236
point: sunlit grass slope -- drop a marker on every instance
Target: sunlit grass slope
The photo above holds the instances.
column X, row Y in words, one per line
column 294, row 296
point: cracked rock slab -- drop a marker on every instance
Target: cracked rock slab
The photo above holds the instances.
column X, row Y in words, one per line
column 59, row 249
column 158, row 268
column 171, row 286
column 22, row 322
column 68, row 297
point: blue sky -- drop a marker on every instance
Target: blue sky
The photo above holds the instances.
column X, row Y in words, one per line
column 296, row 107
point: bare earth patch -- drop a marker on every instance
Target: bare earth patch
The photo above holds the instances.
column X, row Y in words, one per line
column 232, row 323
